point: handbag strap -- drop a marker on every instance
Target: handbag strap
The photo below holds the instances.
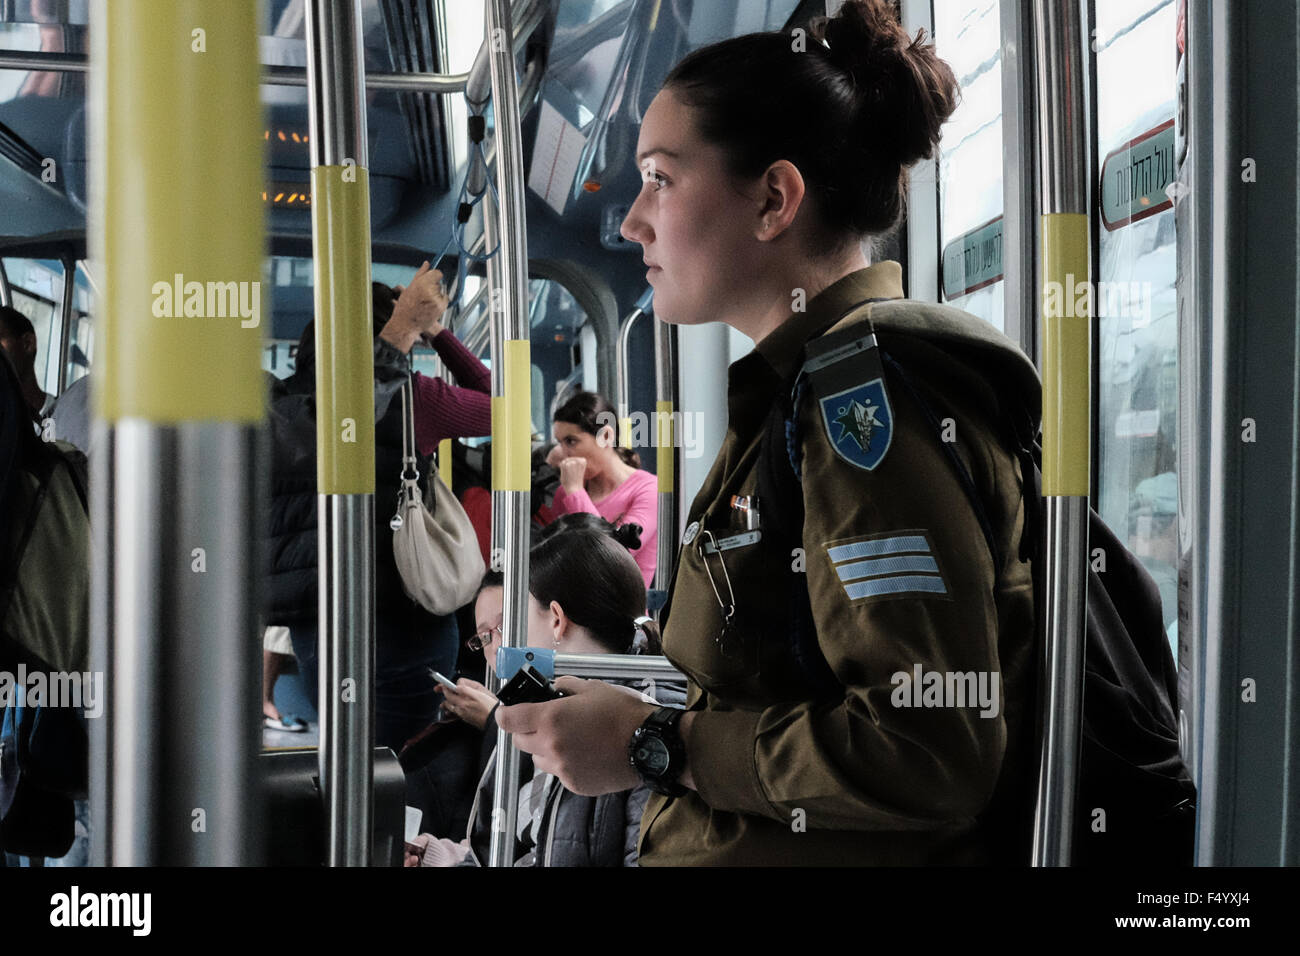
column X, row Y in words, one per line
column 409, row 464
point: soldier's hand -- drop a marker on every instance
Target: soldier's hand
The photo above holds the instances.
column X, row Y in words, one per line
column 581, row 738
column 572, row 471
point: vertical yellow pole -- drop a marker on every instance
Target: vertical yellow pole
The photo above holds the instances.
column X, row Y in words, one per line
column 1067, row 383
column 176, row 224
column 345, row 424
column 177, row 219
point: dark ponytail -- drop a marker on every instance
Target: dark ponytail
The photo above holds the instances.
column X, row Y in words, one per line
column 592, row 412
column 864, row 101
column 598, row 584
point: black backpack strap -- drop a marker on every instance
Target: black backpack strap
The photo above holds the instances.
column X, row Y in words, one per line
column 781, row 490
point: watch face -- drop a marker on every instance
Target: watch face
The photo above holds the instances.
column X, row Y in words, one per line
column 652, row 756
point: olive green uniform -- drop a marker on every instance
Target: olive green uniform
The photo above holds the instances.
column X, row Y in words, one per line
column 899, row 575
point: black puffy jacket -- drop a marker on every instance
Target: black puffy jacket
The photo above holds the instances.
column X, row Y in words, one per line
column 292, row 593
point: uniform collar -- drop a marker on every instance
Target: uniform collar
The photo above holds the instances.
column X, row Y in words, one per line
column 784, row 344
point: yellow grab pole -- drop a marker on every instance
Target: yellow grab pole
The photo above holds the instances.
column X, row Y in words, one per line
column 176, row 224
column 1067, row 383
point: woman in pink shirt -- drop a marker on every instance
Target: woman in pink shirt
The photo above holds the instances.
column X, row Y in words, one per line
column 598, row 477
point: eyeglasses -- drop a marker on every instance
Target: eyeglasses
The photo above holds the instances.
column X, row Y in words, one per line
column 482, row 639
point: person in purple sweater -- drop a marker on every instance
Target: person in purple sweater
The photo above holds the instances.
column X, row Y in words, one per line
column 409, row 640
column 442, row 410
column 598, row 477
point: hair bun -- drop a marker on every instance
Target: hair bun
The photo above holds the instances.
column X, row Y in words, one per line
column 864, row 40
column 905, row 93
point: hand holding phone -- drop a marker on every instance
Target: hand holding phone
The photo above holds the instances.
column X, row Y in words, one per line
column 449, row 684
column 528, row 687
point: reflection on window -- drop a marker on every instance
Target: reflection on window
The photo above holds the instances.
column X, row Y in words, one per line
column 968, row 35
column 37, row 287
column 1137, row 348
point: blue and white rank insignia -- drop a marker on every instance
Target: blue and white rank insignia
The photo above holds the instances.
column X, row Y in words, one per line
column 859, row 423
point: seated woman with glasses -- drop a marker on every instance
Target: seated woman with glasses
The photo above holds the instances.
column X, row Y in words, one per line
column 586, row 596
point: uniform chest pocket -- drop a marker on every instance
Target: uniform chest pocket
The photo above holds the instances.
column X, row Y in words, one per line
column 730, row 604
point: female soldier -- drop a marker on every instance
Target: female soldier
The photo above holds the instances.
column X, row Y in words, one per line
column 861, row 697
column 599, row 478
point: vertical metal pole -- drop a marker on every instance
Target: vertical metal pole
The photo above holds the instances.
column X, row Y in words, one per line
column 6, row 297
column 623, row 378
column 1019, row 182
column 666, row 454
column 65, row 320
column 924, row 255
column 1065, row 338
column 177, row 409
column 345, row 424
column 511, row 421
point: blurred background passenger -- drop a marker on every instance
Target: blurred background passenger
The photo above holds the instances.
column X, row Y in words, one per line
column 600, row 478
column 18, row 340
column 409, row 640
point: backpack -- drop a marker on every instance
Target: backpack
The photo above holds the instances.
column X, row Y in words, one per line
column 44, row 627
column 1130, row 761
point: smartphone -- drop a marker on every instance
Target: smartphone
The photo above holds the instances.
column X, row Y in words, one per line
column 511, row 659
column 450, row 685
column 527, row 687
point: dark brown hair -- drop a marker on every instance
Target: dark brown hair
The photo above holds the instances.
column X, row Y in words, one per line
column 851, row 114
column 596, row 581
column 591, row 412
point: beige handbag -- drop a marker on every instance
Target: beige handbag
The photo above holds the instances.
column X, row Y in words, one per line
column 437, row 553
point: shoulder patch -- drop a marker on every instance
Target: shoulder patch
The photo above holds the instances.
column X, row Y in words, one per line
column 859, row 423
column 889, row 565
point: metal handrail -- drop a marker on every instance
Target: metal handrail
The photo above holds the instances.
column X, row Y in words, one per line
column 346, row 535
column 1063, row 194
column 617, row 667
column 510, row 504
column 666, row 457
column 622, row 374
column 442, row 83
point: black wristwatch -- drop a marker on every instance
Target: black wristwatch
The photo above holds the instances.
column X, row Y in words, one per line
column 657, row 752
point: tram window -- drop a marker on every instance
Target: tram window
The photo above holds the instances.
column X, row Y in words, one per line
column 967, row 34
column 37, row 286
column 1137, row 349
column 81, row 352
column 17, row 36
column 556, row 321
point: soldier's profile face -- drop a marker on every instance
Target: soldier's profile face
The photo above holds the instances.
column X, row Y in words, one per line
column 694, row 224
